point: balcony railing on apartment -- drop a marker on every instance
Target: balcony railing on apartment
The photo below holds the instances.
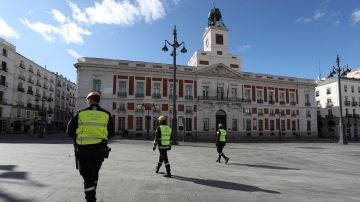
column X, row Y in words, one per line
column 226, row 99
column 329, row 104
column 121, row 109
column 189, row 97
column 293, row 103
column 139, row 95
column 122, row 94
column 329, row 116
column 307, row 104
column 271, row 102
column 140, row 110
column 21, row 89
column 21, row 77
column 347, row 103
column 260, row 101
column 272, row 114
column 156, row 95
column 188, row 111
column 353, row 103
column 282, row 102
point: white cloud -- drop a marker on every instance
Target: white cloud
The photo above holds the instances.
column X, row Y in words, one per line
column 58, row 16
column 47, row 31
column 119, row 13
column 69, row 31
column 244, row 47
column 319, row 13
column 6, row 30
column 74, row 53
column 355, row 16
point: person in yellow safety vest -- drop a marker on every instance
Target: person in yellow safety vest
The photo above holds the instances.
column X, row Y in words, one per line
column 91, row 128
column 163, row 141
column 221, row 142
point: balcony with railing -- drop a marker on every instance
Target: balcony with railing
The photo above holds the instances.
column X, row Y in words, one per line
column 347, row 103
column 282, row 102
column 189, row 97
column 4, row 68
column 293, row 114
column 329, row 116
column 318, row 105
column 225, row 99
column 21, row 89
column 139, row 95
column 308, row 115
column 139, row 110
column 30, row 92
column 308, row 104
column 329, row 104
column 22, row 77
column 260, row 101
column 271, row 102
column 21, row 65
column 188, row 111
column 156, row 95
column 354, row 103
column 171, row 96
column 121, row 109
column 260, row 114
column 247, row 113
column 271, row 114
column 356, row 115
column 293, row 103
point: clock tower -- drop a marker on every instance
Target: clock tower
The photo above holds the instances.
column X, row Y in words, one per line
column 215, row 41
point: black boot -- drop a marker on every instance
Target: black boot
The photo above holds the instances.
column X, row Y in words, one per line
column 168, row 171
column 218, row 160
column 90, row 196
column 157, row 168
column 226, row 158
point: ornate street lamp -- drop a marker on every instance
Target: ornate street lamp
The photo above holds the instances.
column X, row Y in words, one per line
column 175, row 45
column 340, row 72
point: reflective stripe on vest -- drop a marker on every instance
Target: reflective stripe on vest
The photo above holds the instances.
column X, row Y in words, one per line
column 92, row 127
column 165, row 136
column 223, row 134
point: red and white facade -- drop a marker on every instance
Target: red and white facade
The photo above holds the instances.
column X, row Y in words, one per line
column 210, row 90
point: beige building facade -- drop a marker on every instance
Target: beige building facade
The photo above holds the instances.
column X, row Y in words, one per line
column 29, row 93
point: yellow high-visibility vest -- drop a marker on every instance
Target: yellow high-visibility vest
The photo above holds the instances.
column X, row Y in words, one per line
column 92, row 127
column 223, row 134
column 165, row 136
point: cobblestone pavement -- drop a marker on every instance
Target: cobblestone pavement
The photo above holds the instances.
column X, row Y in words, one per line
column 33, row 169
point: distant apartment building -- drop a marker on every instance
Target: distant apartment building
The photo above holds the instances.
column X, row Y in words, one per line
column 327, row 100
column 28, row 93
column 211, row 89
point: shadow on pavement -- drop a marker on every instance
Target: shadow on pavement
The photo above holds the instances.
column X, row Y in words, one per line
column 10, row 198
column 7, row 167
column 225, row 185
column 263, row 166
column 26, row 139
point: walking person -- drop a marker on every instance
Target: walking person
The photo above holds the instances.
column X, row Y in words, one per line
column 163, row 141
column 91, row 128
column 221, row 142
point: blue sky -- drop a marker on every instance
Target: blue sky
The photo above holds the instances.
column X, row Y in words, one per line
column 281, row 37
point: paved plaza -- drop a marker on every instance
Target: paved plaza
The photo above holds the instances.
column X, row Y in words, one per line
column 34, row 169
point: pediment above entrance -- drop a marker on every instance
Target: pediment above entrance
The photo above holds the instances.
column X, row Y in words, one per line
column 218, row 70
